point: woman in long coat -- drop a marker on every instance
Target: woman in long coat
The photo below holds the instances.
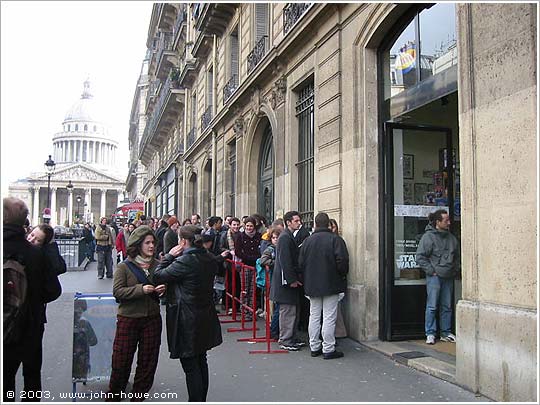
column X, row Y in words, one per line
column 138, row 321
column 193, row 327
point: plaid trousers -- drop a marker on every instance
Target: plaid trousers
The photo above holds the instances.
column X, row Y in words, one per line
column 247, row 287
column 130, row 332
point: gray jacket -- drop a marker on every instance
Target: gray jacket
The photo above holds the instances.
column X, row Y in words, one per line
column 438, row 252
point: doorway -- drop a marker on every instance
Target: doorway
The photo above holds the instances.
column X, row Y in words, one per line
column 420, row 177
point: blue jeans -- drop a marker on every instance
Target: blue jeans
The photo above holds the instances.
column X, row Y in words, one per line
column 274, row 324
column 439, row 295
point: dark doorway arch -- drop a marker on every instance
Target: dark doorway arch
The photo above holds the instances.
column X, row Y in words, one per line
column 265, row 199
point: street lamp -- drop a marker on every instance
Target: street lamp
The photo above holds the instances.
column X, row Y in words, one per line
column 78, row 202
column 50, row 165
column 69, row 189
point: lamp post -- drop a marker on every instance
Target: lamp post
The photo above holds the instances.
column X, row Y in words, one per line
column 50, row 165
column 69, row 187
column 78, row 202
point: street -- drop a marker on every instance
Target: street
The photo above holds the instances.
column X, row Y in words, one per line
column 362, row 375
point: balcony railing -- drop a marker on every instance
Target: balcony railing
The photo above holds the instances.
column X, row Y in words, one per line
column 206, row 118
column 258, row 52
column 191, row 137
column 230, row 88
column 164, row 44
column 180, row 19
column 292, row 13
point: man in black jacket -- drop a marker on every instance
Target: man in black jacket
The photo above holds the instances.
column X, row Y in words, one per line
column 160, row 233
column 285, row 282
column 43, row 287
column 324, row 261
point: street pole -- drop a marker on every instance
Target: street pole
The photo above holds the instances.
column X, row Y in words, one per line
column 49, row 166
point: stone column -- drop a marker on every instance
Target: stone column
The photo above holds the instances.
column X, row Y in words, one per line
column 35, row 216
column 103, row 203
column 54, row 216
column 70, row 207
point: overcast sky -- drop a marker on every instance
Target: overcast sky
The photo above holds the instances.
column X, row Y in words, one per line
column 47, row 51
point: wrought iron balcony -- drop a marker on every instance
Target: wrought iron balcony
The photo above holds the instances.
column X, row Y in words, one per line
column 164, row 44
column 191, row 137
column 180, row 19
column 230, row 87
column 206, row 118
column 257, row 54
column 292, row 13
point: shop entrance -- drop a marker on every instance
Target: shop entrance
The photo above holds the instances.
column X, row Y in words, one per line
column 420, row 178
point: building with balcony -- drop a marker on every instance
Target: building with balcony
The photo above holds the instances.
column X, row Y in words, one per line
column 86, row 183
column 271, row 107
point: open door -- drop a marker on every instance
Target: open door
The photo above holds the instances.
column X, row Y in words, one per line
column 418, row 179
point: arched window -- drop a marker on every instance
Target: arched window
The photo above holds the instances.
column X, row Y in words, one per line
column 76, row 127
column 69, row 127
column 85, row 127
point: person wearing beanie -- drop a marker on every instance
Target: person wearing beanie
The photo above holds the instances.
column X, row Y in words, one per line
column 105, row 240
column 171, row 236
column 138, row 319
column 193, row 327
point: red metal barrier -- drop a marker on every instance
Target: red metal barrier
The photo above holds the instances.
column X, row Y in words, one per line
column 266, row 339
column 230, row 298
column 245, row 307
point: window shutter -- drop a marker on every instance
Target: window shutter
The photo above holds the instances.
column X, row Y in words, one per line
column 210, row 82
column 261, row 20
column 234, row 54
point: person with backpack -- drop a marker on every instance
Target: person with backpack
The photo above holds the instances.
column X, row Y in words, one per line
column 29, row 283
column 138, row 320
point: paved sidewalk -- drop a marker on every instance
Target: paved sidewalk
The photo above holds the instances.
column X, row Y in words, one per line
column 363, row 375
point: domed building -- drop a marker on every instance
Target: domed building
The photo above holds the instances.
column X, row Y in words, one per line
column 86, row 183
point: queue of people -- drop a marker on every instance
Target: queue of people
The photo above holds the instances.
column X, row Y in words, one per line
column 179, row 266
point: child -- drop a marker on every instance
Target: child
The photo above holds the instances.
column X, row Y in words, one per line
column 267, row 259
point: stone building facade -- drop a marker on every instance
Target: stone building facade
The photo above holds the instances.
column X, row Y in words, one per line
column 263, row 107
column 85, row 184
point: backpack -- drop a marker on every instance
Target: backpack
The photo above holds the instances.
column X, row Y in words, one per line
column 261, row 274
column 15, row 311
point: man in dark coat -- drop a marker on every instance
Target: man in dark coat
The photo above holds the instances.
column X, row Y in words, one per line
column 193, row 327
column 160, row 233
column 43, row 287
column 324, row 262
column 285, row 282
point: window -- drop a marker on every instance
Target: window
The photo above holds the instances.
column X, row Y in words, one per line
column 85, row 127
column 261, row 20
column 234, row 62
column 76, row 127
column 95, row 128
column 194, row 110
column 69, row 127
column 210, row 87
column 407, row 63
column 305, row 164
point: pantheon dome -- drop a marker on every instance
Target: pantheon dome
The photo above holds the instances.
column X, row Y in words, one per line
column 86, row 159
column 84, row 137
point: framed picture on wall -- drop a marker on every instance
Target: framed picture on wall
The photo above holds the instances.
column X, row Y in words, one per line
column 408, row 196
column 408, row 166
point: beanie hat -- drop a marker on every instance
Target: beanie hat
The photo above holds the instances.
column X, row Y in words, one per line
column 139, row 234
column 190, row 232
column 172, row 220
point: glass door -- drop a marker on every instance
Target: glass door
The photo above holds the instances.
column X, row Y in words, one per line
column 419, row 179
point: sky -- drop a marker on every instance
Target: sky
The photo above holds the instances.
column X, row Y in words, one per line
column 48, row 49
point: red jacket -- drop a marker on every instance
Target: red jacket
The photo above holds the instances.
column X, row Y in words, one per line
column 121, row 243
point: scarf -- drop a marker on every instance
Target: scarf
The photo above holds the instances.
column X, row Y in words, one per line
column 144, row 263
column 252, row 234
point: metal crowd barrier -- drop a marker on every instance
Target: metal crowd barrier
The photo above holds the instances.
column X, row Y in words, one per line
column 230, row 297
column 73, row 252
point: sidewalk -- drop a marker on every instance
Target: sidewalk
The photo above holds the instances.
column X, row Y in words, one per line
column 363, row 375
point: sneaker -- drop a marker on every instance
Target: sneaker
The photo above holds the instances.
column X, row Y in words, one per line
column 299, row 343
column 333, row 355
column 291, row 348
column 449, row 338
column 430, row 340
column 316, row 353
column 100, row 277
